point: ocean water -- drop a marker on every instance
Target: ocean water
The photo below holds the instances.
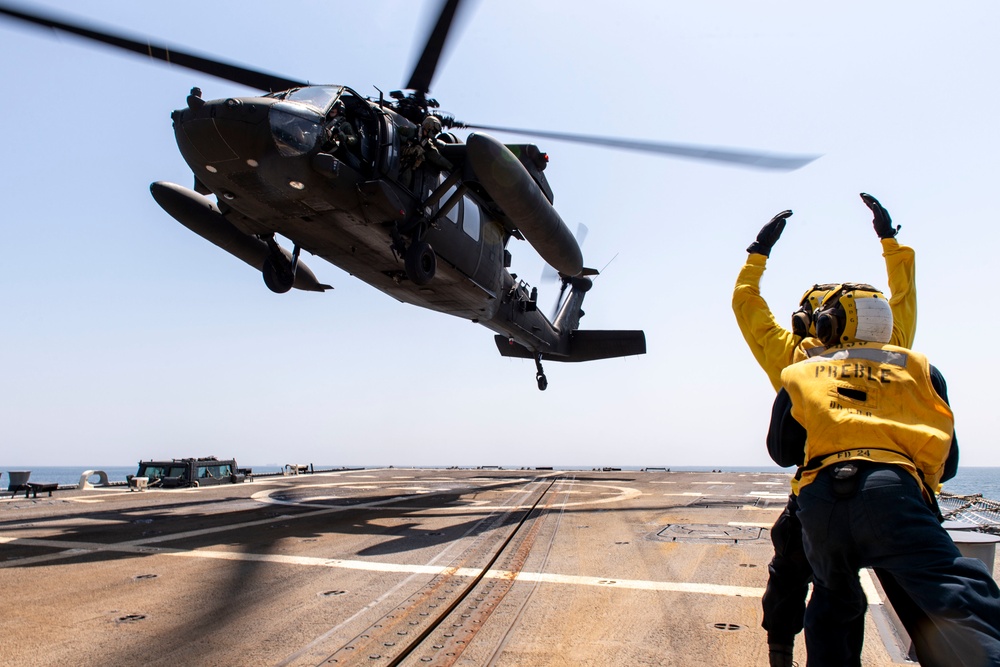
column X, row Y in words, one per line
column 968, row 480
column 975, row 480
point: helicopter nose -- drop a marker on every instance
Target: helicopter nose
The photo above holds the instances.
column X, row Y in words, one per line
column 222, row 130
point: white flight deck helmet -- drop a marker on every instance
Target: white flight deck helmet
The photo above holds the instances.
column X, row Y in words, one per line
column 853, row 312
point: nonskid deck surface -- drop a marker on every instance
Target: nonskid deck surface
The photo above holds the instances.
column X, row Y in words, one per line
column 401, row 566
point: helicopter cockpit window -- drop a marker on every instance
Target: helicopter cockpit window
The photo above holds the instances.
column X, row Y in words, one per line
column 294, row 128
column 320, row 98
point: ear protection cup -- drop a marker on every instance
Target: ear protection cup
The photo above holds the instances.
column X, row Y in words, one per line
column 802, row 319
column 800, row 322
column 828, row 327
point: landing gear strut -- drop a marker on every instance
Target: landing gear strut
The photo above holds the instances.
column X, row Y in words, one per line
column 540, row 374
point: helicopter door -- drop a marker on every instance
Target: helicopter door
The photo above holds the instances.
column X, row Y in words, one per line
column 490, row 237
column 466, row 238
column 388, row 153
column 364, row 122
column 449, row 239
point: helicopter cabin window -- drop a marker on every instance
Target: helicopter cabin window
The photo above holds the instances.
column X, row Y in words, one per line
column 455, row 213
column 471, row 221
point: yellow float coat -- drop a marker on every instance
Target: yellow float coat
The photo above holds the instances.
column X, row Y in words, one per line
column 872, row 402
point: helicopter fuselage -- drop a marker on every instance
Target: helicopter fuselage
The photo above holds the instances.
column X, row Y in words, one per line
column 275, row 168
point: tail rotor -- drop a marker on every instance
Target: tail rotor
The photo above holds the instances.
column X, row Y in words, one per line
column 550, row 275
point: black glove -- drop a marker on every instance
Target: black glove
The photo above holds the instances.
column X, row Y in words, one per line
column 769, row 235
column 882, row 222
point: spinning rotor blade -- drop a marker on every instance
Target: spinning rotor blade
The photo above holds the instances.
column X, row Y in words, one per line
column 551, row 275
column 559, row 300
column 235, row 73
column 745, row 158
column 420, row 80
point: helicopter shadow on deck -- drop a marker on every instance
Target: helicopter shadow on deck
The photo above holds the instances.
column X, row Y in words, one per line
column 155, row 526
column 234, row 588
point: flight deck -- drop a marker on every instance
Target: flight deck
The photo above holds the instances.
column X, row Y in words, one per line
column 398, row 566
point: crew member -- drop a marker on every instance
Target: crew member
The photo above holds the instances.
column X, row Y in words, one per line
column 422, row 150
column 872, row 422
column 340, row 133
column 774, row 348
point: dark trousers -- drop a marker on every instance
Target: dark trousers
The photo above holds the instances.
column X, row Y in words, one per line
column 789, row 574
column 883, row 522
column 784, row 601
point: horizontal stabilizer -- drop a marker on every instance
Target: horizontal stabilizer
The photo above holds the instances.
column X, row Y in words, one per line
column 592, row 345
column 584, row 346
column 508, row 348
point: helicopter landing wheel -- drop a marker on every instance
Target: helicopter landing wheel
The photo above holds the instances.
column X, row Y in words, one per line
column 540, row 374
column 421, row 262
column 542, row 381
column 277, row 278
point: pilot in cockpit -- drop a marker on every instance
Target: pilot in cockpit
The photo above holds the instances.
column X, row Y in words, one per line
column 339, row 131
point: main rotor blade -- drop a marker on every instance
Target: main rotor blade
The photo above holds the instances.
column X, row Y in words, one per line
column 229, row 72
column 746, row 158
column 420, row 80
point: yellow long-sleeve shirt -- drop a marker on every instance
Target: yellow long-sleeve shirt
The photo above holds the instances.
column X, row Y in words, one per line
column 775, row 347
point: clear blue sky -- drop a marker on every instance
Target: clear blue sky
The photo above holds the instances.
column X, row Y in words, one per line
column 125, row 336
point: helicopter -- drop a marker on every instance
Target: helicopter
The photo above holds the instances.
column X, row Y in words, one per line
column 384, row 189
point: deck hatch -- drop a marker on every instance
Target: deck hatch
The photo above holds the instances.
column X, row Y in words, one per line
column 708, row 532
column 721, row 502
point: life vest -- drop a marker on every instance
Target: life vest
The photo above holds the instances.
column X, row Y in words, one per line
column 873, row 402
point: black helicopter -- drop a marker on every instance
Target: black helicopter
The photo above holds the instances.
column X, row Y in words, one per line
column 379, row 188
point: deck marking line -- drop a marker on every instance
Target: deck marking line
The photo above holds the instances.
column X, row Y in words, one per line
column 638, row 584
column 750, row 524
column 78, row 548
column 542, row 577
column 623, row 493
column 868, row 586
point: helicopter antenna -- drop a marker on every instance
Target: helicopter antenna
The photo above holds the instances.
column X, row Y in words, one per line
column 607, row 265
